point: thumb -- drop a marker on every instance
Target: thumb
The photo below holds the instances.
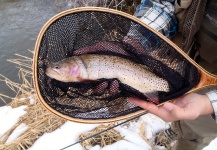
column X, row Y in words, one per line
column 179, row 113
column 176, row 112
column 169, row 106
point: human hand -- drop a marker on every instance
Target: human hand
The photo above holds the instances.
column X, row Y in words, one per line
column 187, row 107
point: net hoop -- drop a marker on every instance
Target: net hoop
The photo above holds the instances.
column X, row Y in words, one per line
column 99, row 9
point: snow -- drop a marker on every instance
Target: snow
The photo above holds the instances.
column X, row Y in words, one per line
column 212, row 145
column 31, row 100
column 23, row 99
column 9, row 117
column 71, row 130
column 97, row 147
column 17, row 132
column 62, row 137
column 138, row 134
column 153, row 125
column 124, row 145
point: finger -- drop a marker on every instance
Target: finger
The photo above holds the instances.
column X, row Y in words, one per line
column 145, row 105
column 154, row 109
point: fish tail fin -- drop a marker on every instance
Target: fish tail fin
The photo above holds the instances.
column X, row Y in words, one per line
column 153, row 97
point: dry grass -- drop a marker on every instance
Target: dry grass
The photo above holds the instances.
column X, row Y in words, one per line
column 127, row 6
column 103, row 139
column 25, row 74
column 38, row 119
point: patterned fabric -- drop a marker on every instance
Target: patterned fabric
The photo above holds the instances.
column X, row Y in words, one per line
column 213, row 98
column 158, row 14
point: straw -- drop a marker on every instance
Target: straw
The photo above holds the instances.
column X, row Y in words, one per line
column 37, row 118
column 103, row 139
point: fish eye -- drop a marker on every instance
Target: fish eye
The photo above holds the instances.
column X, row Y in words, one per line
column 56, row 67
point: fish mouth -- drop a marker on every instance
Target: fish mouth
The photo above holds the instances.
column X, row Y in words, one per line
column 52, row 73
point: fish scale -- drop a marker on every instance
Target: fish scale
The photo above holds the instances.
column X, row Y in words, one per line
column 94, row 67
column 128, row 72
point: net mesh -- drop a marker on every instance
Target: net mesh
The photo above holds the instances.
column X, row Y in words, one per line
column 98, row 32
column 192, row 22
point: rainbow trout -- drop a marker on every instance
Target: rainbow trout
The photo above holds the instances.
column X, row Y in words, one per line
column 93, row 67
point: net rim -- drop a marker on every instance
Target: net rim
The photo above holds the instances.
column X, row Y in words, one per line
column 99, row 9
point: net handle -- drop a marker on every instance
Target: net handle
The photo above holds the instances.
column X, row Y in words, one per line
column 206, row 79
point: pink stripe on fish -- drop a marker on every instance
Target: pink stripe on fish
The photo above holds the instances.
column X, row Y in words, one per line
column 74, row 71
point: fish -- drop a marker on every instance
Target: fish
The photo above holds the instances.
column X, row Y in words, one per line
column 90, row 67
